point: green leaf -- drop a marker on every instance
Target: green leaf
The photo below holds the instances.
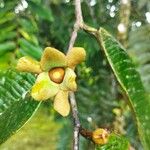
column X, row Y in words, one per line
column 6, row 47
column 5, row 28
column 7, row 61
column 8, row 17
column 7, row 36
column 115, row 142
column 16, row 105
column 29, row 37
column 42, row 12
column 30, row 49
column 28, row 25
column 130, row 81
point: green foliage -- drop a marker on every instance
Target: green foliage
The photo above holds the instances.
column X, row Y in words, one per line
column 49, row 23
column 139, row 50
column 42, row 12
column 142, row 4
column 130, row 81
column 29, row 49
column 16, row 105
column 88, row 100
column 6, row 47
column 65, row 140
column 19, row 38
column 41, row 131
column 115, row 142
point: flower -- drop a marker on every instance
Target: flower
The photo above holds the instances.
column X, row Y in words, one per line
column 56, row 76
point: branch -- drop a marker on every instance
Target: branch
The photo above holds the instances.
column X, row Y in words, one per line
column 77, row 25
column 76, row 121
column 86, row 134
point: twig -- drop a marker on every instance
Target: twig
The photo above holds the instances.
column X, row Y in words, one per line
column 86, row 134
column 76, row 121
column 77, row 25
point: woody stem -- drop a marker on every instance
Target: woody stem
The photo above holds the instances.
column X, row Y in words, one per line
column 77, row 24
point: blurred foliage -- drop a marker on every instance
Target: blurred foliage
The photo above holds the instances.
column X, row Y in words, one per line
column 29, row 26
column 115, row 143
column 40, row 132
column 139, row 49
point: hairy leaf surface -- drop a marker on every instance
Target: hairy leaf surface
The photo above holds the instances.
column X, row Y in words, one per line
column 130, row 81
column 16, row 105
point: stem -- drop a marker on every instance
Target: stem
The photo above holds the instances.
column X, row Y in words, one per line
column 77, row 25
column 85, row 133
column 76, row 121
column 78, row 12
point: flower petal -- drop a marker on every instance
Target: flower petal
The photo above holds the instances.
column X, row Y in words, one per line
column 75, row 56
column 44, row 88
column 27, row 64
column 69, row 82
column 61, row 103
column 52, row 58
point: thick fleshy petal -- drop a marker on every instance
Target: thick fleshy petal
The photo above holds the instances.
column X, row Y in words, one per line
column 52, row 58
column 75, row 56
column 27, row 64
column 61, row 103
column 69, row 82
column 44, row 88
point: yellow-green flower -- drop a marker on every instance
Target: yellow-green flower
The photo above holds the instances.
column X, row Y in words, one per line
column 56, row 76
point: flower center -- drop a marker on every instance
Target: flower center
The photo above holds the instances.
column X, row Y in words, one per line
column 57, row 74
